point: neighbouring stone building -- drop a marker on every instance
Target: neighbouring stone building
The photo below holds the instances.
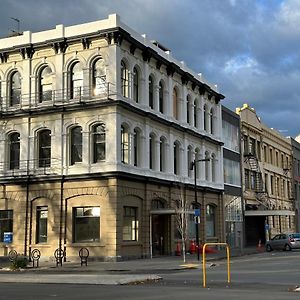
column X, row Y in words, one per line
column 296, row 178
column 99, row 127
column 267, row 179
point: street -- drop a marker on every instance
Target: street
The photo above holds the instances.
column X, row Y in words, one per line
column 262, row 276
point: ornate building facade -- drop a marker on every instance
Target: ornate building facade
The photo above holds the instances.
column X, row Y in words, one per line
column 267, row 179
column 99, row 127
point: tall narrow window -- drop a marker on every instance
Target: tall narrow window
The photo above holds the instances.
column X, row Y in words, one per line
column 6, row 223
column 41, row 224
column 130, row 224
column 207, row 166
column 44, row 148
column 212, row 121
column 45, row 84
column 151, row 92
column 161, row 97
column 210, row 221
column 76, row 82
column 98, row 137
column 14, row 151
column 136, row 79
column 176, row 162
column 213, row 167
column 124, row 145
column 162, row 155
column 151, row 151
column 189, row 161
column 188, row 107
column 124, row 79
column 205, row 118
column 99, row 77
column 15, row 89
column 175, row 104
column 136, row 145
column 86, row 226
column 76, row 145
column 196, row 113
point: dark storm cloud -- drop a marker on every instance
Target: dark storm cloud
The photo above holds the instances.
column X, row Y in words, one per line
column 249, row 48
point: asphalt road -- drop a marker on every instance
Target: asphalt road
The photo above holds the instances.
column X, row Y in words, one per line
column 265, row 276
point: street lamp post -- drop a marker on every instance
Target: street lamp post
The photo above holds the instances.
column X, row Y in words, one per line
column 194, row 166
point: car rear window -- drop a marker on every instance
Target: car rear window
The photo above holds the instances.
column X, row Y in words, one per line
column 295, row 235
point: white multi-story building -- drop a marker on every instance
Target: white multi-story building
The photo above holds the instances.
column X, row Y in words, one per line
column 99, row 127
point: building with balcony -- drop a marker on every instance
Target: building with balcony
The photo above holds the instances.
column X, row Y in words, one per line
column 267, row 179
column 99, row 127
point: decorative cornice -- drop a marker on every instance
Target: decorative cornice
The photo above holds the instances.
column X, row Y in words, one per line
column 27, row 52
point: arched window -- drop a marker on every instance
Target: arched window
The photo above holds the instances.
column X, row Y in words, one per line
column 44, row 148
column 207, row 163
column 212, row 125
column 162, row 154
column 196, row 121
column 157, row 204
column 136, row 90
column 98, row 140
column 76, row 81
column 45, row 84
column 76, row 145
column 99, row 77
column 161, row 97
column 124, row 79
column 137, row 147
column 188, row 109
column 151, row 92
column 152, row 151
column 14, row 150
column 176, row 150
column 213, row 167
column 210, row 221
column 189, row 161
column 15, row 88
column 175, row 104
column 205, row 117
column 124, row 145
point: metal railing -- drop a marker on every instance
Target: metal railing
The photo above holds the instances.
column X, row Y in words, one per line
column 33, row 167
column 58, row 98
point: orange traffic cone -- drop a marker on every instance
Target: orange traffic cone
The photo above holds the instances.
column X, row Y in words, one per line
column 178, row 250
column 192, row 247
column 259, row 246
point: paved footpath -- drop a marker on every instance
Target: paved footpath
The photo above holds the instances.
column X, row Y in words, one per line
column 107, row 273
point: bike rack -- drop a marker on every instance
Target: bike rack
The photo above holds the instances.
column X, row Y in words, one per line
column 204, row 260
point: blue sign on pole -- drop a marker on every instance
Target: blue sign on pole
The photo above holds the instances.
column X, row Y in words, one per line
column 7, row 237
column 197, row 212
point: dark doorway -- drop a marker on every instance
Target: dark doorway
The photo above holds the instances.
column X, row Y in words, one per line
column 159, row 235
column 255, row 230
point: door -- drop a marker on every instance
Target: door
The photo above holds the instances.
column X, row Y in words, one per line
column 159, row 235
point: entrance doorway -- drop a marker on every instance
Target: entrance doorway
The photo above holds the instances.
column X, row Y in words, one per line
column 160, row 238
column 255, row 230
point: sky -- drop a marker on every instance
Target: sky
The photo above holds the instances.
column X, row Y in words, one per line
column 249, row 48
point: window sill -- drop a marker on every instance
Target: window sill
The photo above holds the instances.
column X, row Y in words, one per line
column 131, row 243
column 86, row 244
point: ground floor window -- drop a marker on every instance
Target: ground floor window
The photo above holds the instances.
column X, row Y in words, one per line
column 86, row 224
column 41, row 224
column 6, row 223
column 210, row 221
column 130, row 224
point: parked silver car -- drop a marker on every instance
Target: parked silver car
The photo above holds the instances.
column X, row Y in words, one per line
column 284, row 241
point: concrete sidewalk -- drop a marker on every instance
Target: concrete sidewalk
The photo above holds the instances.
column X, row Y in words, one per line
column 109, row 273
